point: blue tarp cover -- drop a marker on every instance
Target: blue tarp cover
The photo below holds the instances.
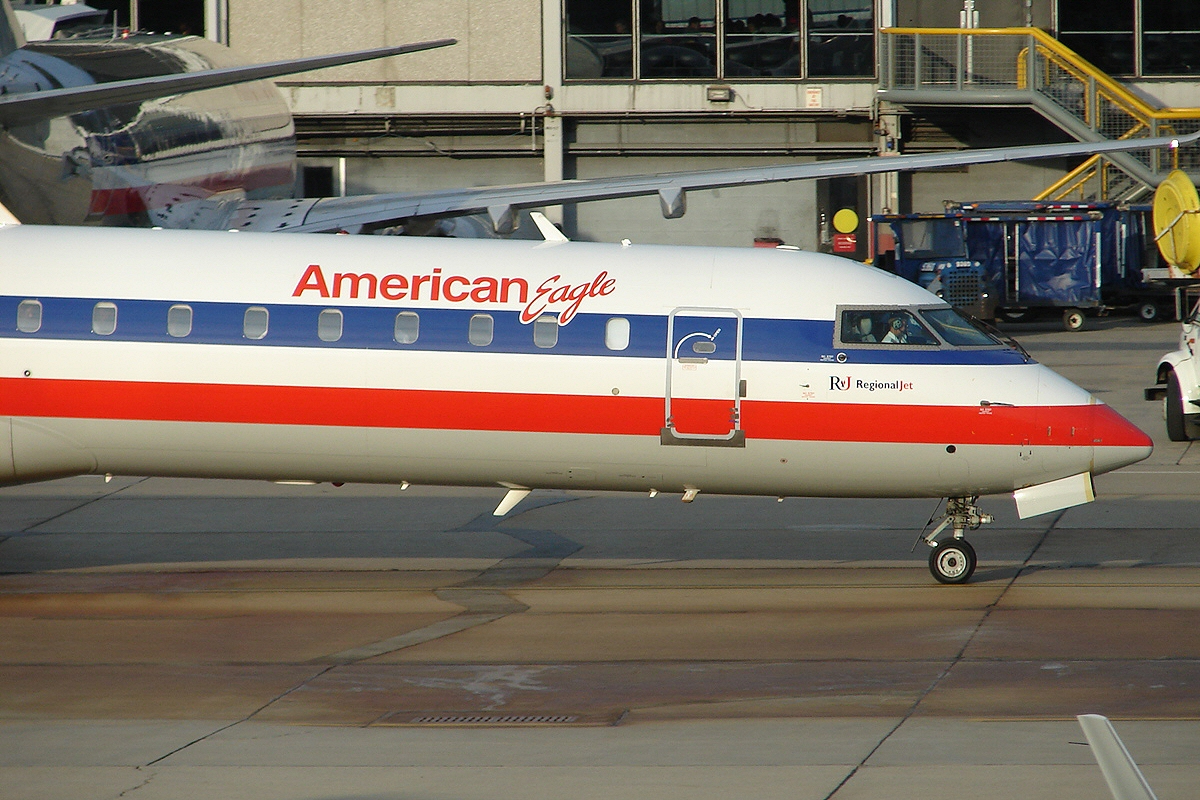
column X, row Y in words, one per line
column 1056, row 262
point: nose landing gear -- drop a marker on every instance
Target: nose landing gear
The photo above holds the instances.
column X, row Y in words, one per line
column 953, row 560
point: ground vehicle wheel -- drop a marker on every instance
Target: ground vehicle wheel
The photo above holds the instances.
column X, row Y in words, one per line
column 1148, row 312
column 952, row 561
column 1073, row 319
column 1177, row 428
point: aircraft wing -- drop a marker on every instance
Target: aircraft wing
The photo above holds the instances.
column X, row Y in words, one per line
column 27, row 107
column 1121, row 772
column 502, row 202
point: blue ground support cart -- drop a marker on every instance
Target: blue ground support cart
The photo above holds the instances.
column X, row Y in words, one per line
column 1018, row 259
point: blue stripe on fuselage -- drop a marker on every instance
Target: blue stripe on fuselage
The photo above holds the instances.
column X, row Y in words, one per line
column 445, row 330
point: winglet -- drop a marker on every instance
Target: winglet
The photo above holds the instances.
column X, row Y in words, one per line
column 7, row 217
column 1121, row 772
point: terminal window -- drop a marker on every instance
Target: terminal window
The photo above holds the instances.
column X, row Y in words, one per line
column 1133, row 37
column 718, row 39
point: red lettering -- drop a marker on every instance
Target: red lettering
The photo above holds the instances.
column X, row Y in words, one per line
column 312, row 279
column 355, row 281
column 448, row 291
column 485, row 290
column 458, row 289
column 507, row 283
column 550, row 293
column 559, row 294
column 576, row 296
column 437, row 282
column 538, row 304
column 596, row 284
column 393, row 287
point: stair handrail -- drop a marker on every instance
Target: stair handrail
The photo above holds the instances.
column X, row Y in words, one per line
column 1113, row 89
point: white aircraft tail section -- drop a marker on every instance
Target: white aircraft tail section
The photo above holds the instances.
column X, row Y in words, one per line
column 1121, row 772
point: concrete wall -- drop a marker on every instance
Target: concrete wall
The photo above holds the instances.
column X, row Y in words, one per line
column 1012, row 181
column 500, row 41
column 732, row 217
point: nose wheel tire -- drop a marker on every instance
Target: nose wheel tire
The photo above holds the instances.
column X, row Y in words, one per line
column 952, row 561
column 1073, row 319
column 1177, row 427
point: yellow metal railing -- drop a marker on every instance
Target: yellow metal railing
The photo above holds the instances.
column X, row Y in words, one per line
column 1027, row 60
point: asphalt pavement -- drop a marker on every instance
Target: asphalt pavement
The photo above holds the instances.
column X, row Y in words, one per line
column 227, row 639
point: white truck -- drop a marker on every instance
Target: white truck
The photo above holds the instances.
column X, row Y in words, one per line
column 1177, row 383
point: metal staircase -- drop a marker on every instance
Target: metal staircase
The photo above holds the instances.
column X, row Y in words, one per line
column 1027, row 66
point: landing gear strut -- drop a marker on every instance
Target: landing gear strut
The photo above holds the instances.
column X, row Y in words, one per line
column 953, row 560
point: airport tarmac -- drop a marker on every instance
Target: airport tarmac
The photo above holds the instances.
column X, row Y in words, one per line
column 190, row 639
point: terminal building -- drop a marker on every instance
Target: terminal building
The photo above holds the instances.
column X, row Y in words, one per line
column 549, row 89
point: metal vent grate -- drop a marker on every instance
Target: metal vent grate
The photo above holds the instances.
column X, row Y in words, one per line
column 962, row 287
column 494, row 719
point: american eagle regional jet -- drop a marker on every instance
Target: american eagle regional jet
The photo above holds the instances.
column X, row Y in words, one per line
column 526, row 365
column 242, row 354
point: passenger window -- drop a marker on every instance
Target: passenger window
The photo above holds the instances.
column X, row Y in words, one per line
column 104, row 318
column 179, row 321
column 480, row 331
column 545, row 331
column 616, row 333
column 29, row 316
column 254, row 322
column 329, row 325
column 408, row 327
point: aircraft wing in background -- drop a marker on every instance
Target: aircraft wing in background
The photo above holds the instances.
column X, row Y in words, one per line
column 1121, row 772
column 501, row 203
column 25, row 107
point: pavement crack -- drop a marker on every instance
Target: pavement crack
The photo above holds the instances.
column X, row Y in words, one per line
column 955, row 660
column 150, row 775
column 84, row 504
column 246, row 718
column 483, row 596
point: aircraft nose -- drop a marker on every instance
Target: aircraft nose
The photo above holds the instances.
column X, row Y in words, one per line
column 1116, row 442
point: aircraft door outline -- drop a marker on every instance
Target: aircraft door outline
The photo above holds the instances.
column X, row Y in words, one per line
column 703, row 398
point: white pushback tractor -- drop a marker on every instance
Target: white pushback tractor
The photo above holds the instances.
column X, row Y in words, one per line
column 1177, row 378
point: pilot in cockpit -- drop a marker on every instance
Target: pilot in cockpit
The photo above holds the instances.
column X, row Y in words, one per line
column 897, row 332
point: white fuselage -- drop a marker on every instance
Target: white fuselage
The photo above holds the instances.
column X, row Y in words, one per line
column 544, row 365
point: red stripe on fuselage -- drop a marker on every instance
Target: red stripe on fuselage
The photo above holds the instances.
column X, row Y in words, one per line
column 134, row 199
column 552, row 413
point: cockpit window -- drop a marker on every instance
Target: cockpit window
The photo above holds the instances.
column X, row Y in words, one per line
column 956, row 329
column 885, row 327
